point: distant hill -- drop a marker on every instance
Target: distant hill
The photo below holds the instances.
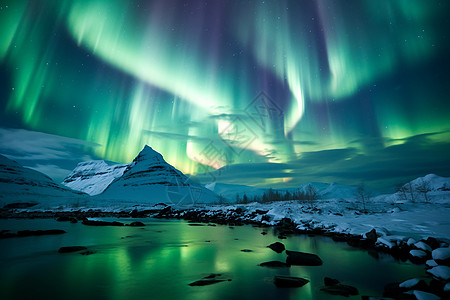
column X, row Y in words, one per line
column 324, row 190
column 23, row 187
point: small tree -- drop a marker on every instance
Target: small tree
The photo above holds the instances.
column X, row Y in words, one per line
column 402, row 192
column 411, row 191
column 424, row 188
column 311, row 195
column 363, row 195
column 244, row 199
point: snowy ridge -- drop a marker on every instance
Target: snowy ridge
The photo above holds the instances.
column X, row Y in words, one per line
column 149, row 179
column 23, row 185
column 93, row 177
column 431, row 181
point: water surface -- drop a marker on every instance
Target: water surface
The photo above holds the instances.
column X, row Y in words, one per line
column 160, row 260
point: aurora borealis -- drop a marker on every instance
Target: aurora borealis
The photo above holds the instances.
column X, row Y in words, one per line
column 278, row 92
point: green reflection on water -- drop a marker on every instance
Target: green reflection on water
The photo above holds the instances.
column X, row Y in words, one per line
column 160, row 260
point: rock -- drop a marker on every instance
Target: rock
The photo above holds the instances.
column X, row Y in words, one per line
column 330, row 281
column 341, row 290
column 421, row 295
column 277, row 247
column 422, row 246
column 208, row 280
column 87, row 252
column 101, row 223
column 25, row 233
column 63, row 219
column 441, row 272
column 274, row 264
column 372, row 235
column 212, row 275
column 136, row 224
column 303, row 259
column 263, row 233
column 418, row 256
column 203, row 282
column 195, row 224
column 414, row 284
column 432, row 242
column 441, row 256
column 288, row 281
column 71, row 249
column 246, row 250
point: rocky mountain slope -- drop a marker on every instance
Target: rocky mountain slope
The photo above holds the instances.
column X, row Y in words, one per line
column 93, row 177
column 150, row 179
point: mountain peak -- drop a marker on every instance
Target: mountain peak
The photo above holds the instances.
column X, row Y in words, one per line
column 147, row 153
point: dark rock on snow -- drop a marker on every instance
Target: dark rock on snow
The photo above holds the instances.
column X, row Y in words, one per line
column 288, row 281
column 274, row 264
column 277, row 247
column 246, row 250
column 372, row 235
column 303, row 259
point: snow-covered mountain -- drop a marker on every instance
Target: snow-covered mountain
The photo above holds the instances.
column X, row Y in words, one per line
column 21, row 187
column 149, row 179
column 93, row 177
column 431, row 182
column 324, row 190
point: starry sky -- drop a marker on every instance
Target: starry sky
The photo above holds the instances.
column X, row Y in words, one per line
column 264, row 93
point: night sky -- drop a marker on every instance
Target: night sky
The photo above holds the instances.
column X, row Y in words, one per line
column 267, row 93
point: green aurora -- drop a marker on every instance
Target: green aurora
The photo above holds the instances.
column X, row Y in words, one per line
column 211, row 84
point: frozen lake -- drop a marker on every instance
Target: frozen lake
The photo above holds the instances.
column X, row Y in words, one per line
column 158, row 261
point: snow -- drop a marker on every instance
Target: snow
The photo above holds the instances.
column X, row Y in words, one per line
column 441, row 254
column 409, row 283
column 93, row 177
column 418, row 253
column 423, row 246
column 149, row 179
column 421, row 295
column 23, row 185
column 442, row 272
